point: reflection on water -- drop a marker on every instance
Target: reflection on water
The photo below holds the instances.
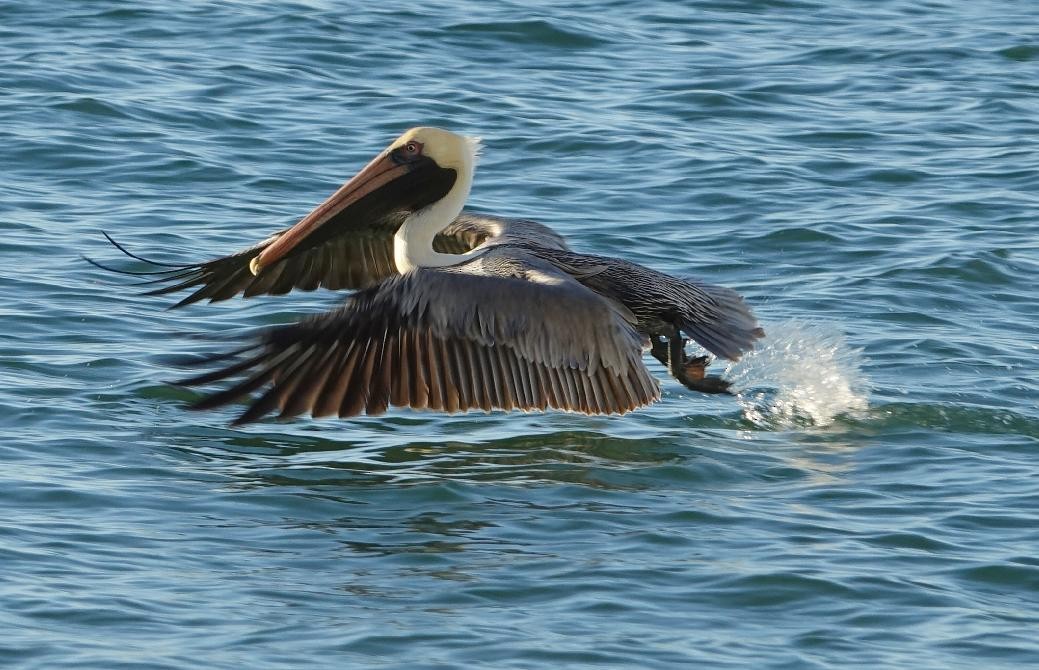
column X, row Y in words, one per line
column 583, row 457
column 811, row 375
column 710, row 450
column 879, row 176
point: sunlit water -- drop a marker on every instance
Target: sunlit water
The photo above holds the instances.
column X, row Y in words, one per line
column 866, row 174
column 803, row 375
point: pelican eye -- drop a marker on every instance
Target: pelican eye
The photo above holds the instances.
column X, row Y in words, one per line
column 407, row 153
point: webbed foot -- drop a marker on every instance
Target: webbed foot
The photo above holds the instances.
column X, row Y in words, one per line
column 691, row 372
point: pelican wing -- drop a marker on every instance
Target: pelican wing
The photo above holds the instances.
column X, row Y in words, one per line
column 354, row 258
column 348, row 261
column 505, row 331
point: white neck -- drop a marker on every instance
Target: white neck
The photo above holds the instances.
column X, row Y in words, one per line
column 413, row 243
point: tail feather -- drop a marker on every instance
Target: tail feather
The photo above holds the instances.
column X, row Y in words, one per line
column 728, row 329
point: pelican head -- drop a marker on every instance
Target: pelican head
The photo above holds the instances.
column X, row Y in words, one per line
column 427, row 170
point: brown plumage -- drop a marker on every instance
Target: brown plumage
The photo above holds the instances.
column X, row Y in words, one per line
column 406, row 342
column 453, row 311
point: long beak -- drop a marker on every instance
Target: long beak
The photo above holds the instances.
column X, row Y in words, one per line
column 379, row 172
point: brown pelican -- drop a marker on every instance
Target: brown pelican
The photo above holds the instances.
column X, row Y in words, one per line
column 453, row 311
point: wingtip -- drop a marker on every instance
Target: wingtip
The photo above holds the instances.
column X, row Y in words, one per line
column 92, row 261
column 129, row 253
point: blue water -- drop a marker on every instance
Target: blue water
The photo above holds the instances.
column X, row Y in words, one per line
column 865, row 173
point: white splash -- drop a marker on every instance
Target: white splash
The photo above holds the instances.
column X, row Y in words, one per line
column 801, row 374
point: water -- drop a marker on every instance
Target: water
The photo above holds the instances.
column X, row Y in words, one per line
column 865, row 173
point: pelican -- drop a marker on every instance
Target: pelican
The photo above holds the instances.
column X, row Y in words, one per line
column 452, row 311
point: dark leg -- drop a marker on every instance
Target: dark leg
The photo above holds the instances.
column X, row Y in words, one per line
column 690, row 372
column 660, row 351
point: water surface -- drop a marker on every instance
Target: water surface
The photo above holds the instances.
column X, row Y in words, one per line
column 865, row 173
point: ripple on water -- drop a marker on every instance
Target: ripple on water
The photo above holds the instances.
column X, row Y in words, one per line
column 870, row 168
column 533, row 33
column 1021, row 53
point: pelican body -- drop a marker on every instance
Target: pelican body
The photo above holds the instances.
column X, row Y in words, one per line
column 453, row 311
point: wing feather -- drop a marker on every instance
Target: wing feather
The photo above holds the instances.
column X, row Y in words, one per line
column 330, row 396
column 502, row 333
column 353, row 394
column 461, row 358
column 307, row 391
column 359, row 255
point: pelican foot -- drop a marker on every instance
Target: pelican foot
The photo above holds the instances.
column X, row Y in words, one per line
column 691, row 372
column 693, row 375
column 695, row 369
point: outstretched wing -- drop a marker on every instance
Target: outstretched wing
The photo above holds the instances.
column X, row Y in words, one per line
column 350, row 261
column 356, row 257
column 504, row 331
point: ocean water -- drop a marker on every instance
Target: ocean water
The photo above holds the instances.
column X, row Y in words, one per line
column 865, row 173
